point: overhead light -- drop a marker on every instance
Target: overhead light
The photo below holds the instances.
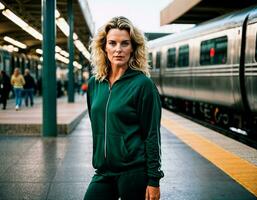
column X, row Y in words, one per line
column 10, row 48
column 75, row 36
column 65, row 28
column 61, row 58
column 10, row 15
column 79, row 45
column 34, row 33
column 15, row 42
column 86, row 54
column 16, row 49
column 63, row 25
column 82, row 49
column 57, row 14
column 77, row 65
column 57, row 49
column 64, row 53
column 39, row 51
column 2, row 6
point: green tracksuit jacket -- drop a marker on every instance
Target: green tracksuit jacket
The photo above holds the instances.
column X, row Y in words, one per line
column 125, row 122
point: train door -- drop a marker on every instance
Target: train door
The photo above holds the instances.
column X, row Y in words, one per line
column 250, row 70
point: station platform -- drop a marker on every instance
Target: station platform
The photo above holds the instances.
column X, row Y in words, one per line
column 28, row 120
column 60, row 168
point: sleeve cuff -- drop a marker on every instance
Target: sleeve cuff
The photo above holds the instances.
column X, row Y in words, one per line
column 155, row 182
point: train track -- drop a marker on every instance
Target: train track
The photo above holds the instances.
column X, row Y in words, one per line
column 249, row 141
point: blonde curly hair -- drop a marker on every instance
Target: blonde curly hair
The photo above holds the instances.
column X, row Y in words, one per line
column 99, row 60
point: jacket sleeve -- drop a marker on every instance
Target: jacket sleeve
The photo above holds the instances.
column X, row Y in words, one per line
column 149, row 108
column 89, row 92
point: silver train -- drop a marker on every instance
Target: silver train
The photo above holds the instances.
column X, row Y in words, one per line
column 210, row 70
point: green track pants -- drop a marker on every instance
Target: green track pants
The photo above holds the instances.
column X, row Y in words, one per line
column 128, row 186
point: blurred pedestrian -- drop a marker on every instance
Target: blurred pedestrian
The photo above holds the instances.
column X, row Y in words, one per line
column 84, row 87
column 125, row 110
column 5, row 87
column 17, row 81
column 29, row 88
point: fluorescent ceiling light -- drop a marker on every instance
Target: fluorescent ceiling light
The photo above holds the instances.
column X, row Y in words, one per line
column 75, row 36
column 86, row 54
column 64, row 53
column 63, row 25
column 10, row 15
column 15, row 42
column 57, row 14
column 65, row 28
column 61, row 58
column 10, row 48
column 39, row 51
column 82, row 48
column 77, row 65
column 57, row 49
column 2, row 6
column 79, row 45
column 34, row 33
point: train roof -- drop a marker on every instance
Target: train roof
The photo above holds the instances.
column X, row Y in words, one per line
column 224, row 22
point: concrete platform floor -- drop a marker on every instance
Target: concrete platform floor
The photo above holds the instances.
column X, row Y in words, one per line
column 28, row 120
column 60, row 169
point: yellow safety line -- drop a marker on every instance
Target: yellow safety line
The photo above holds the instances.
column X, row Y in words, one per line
column 240, row 170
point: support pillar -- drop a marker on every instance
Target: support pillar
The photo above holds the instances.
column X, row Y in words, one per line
column 71, row 53
column 49, row 124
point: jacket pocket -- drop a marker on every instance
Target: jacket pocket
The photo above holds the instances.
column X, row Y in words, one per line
column 98, row 151
column 117, row 153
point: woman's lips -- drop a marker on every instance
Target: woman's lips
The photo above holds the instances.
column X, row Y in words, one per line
column 118, row 57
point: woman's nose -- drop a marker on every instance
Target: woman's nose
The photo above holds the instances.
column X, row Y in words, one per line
column 118, row 48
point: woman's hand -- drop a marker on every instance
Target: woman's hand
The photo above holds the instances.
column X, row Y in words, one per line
column 152, row 193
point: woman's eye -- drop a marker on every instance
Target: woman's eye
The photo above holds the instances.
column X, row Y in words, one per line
column 112, row 43
column 124, row 44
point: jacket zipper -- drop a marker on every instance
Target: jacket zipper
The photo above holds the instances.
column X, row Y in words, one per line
column 105, row 123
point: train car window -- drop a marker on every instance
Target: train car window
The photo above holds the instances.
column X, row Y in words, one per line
column 214, row 51
column 150, row 59
column 183, row 56
column 158, row 60
column 171, row 58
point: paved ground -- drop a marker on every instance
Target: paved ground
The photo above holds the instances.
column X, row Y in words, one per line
column 60, row 169
column 28, row 120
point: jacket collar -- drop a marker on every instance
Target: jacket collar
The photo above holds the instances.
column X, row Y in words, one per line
column 129, row 73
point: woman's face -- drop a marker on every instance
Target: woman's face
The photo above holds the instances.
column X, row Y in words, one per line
column 118, row 47
column 16, row 72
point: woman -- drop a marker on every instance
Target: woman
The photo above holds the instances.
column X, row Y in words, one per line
column 125, row 110
column 17, row 82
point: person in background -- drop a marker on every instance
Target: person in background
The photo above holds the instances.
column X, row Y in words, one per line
column 29, row 88
column 5, row 87
column 84, row 87
column 17, row 81
column 125, row 111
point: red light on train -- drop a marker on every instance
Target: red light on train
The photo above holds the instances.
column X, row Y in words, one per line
column 212, row 52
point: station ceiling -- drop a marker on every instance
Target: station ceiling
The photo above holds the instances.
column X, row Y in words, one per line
column 30, row 12
column 197, row 11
